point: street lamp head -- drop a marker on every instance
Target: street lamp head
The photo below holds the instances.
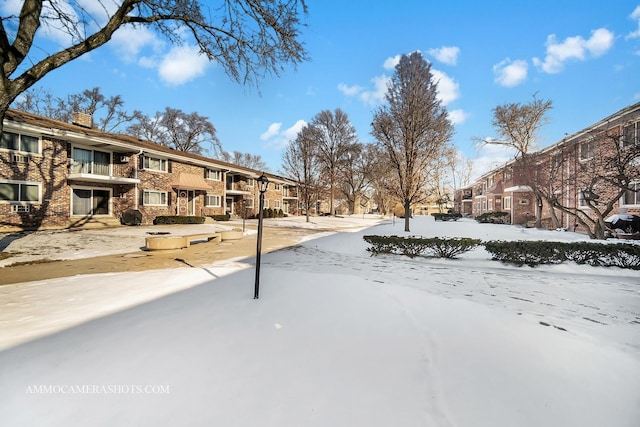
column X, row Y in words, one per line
column 263, row 183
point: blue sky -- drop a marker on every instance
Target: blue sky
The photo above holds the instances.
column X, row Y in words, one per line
column 582, row 55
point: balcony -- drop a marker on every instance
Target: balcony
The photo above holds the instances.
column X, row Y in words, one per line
column 97, row 172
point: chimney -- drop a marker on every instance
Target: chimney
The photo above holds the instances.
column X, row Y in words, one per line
column 82, row 119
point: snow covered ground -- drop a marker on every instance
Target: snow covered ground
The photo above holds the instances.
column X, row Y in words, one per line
column 338, row 338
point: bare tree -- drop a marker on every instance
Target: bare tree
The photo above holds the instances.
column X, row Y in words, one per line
column 247, row 38
column 333, row 134
column 299, row 161
column 607, row 169
column 357, row 172
column 248, row 160
column 412, row 130
column 178, row 130
column 90, row 101
column 518, row 126
column 39, row 101
column 460, row 168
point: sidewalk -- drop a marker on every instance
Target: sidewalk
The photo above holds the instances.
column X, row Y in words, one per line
column 196, row 255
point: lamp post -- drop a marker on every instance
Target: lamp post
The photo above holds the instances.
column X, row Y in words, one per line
column 263, row 184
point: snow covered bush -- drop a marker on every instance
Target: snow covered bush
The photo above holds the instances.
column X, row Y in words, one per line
column 416, row 246
column 534, row 253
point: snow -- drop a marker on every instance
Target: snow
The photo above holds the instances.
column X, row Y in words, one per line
column 337, row 338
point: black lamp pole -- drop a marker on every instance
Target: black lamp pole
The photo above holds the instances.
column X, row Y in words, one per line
column 263, row 183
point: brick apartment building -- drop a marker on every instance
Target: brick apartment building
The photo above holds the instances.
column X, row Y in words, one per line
column 56, row 175
column 566, row 171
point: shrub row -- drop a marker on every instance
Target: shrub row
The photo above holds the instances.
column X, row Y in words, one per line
column 534, row 253
column 416, row 246
column 224, row 217
column 271, row 213
column 169, row 220
column 519, row 253
column 493, row 217
column 446, row 216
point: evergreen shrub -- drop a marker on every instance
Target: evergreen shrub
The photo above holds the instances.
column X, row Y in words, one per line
column 446, row 216
column 534, row 253
column 176, row 219
column 416, row 246
column 493, row 217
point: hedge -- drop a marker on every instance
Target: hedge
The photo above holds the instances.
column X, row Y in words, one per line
column 530, row 252
column 224, row 217
column 169, row 220
column 446, row 216
column 493, row 217
column 534, row 253
column 416, row 246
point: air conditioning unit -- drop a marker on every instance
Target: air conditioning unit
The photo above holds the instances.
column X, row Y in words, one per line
column 523, row 201
column 19, row 158
column 124, row 159
column 20, row 208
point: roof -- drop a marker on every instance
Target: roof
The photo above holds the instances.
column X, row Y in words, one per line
column 62, row 130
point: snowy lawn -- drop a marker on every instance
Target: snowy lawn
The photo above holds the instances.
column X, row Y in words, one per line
column 340, row 338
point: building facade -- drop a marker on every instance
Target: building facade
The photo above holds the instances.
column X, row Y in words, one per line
column 581, row 173
column 56, row 175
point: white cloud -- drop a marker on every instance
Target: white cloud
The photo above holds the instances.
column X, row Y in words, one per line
column 446, row 54
column 375, row 96
column 458, row 117
column 635, row 15
column 278, row 138
column 11, row 7
column 576, row 48
column 510, row 73
column 128, row 42
column 182, row 64
column 272, row 130
column 350, row 90
column 390, row 63
column 448, row 89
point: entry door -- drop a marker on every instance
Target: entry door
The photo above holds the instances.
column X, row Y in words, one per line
column 191, row 202
column 229, row 205
column 186, row 202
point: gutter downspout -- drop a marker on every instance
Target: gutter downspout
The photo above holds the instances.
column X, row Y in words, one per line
column 136, row 191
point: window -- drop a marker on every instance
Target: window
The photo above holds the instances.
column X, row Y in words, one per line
column 632, row 197
column 154, row 163
column 587, row 150
column 88, row 201
column 582, row 202
column 276, row 187
column 490, row 205
column 90, row 161
column 19, row 192
column 19, row 142
column 249, row 182
column 154, row 198
column 215, row 175
column 266, row 204
column 506, row 203
column 276, row 204
column 213, row 201
column 248, row 203
column 630, row 135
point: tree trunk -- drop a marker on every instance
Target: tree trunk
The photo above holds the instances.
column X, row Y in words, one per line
column 554, row 218
column 538, row 211
column 407, row 215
